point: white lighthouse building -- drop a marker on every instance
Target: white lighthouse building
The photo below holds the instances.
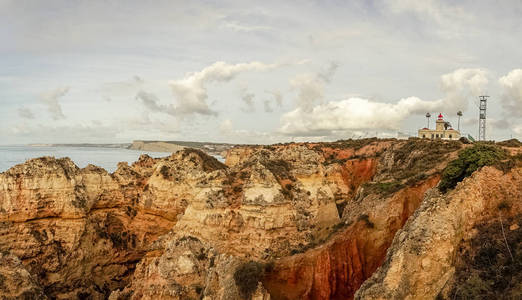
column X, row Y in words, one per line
column 442, row 131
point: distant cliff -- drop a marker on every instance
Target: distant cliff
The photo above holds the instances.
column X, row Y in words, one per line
column 173, row 146
column 155, row 146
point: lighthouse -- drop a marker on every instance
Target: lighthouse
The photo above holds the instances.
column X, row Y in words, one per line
column 443, row 130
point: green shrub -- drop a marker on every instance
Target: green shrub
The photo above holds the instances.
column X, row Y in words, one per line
column 247, row 277
column 470, row 160
column 382, row 189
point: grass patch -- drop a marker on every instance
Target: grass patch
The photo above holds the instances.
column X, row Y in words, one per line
column 470, row 160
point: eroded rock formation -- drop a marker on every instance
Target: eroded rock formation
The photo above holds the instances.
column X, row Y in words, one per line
column 314, row 220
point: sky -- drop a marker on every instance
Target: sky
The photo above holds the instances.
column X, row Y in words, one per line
column 255, row 71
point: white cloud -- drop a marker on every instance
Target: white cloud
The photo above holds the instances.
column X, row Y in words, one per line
column 512, row 93
column 310, row 86
column 191, row 92
column 226, row 127
column 310, row 90
column 50, row 99
column 462, row 85
column 361, row 114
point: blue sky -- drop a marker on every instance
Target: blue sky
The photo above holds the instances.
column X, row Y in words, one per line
column 254, row 72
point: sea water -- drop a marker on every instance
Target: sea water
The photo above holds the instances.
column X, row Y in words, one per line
column 106, row 158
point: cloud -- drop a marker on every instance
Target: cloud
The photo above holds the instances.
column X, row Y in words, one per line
column 328, row 74
column 462, row 85
column 152, row 103
column 50, row 99
column 357, row 113
column 25, row 113
column 310, row 86
column 191, row 92
column 267, row 107
column 238, row 27
column 349, row 114
column 278, row 97
column 122, row 89
column 58, row 134
column 226, row 127
column 248, row 99
column 450, row 18
column 512, row 93
column 518, row 129
column 310, row 89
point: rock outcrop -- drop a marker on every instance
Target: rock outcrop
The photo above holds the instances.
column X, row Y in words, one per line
column 293, row 221
column 421, row 261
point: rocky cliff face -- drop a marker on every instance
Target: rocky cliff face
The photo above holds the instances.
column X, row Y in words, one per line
column 423, row 258
column 309, row 221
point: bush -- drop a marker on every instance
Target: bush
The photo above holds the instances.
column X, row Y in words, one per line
column 165, row 172
column 247, row 277
column 382, row 189
column 489, row 266
column 470, row 160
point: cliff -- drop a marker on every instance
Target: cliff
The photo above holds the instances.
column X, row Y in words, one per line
column 155, row 146
column 293, row 221
column 173, row 146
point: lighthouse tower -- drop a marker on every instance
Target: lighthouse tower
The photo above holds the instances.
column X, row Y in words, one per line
column 439, row 124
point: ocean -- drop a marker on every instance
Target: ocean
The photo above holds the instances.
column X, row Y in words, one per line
column 106, row 158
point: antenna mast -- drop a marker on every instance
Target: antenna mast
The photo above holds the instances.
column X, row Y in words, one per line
column 482, row 117
column 459, row 114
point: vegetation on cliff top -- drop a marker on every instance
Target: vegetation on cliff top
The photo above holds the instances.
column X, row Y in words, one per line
column 470, row 160
column 510, row 143
column 418, row 156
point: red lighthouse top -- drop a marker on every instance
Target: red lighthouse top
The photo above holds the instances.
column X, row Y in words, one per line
column 440, row 116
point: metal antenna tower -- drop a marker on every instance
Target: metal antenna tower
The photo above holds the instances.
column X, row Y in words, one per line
column 482, row 117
